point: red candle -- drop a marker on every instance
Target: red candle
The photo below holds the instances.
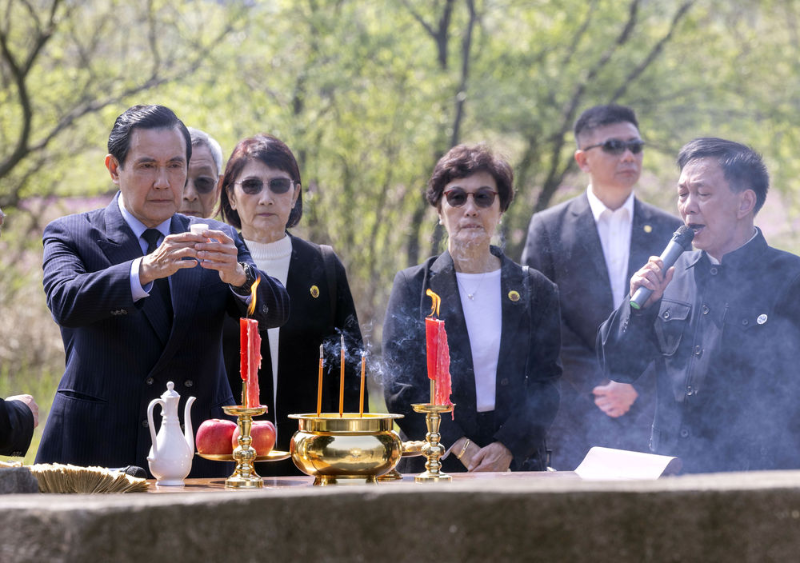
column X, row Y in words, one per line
column 438, row 355
column 250, row 355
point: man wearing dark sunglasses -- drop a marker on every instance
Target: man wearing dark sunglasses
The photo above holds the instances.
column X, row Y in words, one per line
column 590, row 246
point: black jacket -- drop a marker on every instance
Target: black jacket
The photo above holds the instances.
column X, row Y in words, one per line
column 726, row 344
column 528, row 369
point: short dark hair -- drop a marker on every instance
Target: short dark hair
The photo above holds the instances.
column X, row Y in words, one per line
column 600, row 116
column 274, row 153
column 465, row 160
column 143, row 117
column 743, row 168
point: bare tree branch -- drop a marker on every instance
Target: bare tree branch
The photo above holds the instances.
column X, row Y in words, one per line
column 654, row 52
column 461, row 95
column 420, row 19
column 440, row 35
column 556, row 172
column 579, row 34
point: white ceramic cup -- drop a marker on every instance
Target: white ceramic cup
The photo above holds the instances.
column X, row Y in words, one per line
column 198, row 228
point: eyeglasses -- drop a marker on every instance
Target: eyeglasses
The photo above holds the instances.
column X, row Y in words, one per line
column 618, row 146
column 204, row 184
column 253, row 186
column 483, row 197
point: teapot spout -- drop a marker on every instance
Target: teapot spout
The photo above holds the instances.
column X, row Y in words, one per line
column 187, row 423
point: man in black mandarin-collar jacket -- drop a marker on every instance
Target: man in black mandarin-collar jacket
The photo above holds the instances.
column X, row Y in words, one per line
column 722, row 327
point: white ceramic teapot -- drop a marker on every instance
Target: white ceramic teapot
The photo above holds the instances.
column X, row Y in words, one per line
column 171, row 455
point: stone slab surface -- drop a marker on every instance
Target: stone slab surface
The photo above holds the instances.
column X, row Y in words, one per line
column 17, row 480
column 729, row 518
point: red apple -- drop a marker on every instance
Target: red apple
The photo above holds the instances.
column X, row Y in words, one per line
column 263, row 434
column 214, row 436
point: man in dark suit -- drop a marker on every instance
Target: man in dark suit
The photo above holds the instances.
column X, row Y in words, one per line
column 141, row 301
column 590, row 246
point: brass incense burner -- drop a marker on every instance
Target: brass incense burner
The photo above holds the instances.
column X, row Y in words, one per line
column 350, row 448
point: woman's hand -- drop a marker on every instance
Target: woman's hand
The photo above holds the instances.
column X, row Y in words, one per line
column 494, row 457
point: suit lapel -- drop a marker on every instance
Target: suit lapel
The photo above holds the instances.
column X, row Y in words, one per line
column 589, row 251
column 443, row 282
column 643, row 238
column 120, row 244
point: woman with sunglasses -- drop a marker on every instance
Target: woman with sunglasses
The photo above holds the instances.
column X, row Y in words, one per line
column 261, row 194
column 502, row 325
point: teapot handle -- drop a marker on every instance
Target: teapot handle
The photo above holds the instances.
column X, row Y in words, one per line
column 150, row 424
column 187, row 423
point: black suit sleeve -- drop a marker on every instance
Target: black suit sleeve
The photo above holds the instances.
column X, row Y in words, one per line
column 76, row 295
column 626, row 343
column 16, row 428
column 272, row 300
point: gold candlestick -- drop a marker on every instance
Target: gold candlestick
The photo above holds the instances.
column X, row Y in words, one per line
column 432, row 450
column 245, row 476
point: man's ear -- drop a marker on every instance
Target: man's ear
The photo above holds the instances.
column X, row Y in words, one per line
column 747, row 203
column 113, row 168
column 580, row 158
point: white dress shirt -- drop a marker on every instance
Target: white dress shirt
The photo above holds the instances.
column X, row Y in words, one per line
column 614, row 228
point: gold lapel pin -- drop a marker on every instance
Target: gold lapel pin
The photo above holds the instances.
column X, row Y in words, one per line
column 648, row 228
column 513, row 295
column 314, row 291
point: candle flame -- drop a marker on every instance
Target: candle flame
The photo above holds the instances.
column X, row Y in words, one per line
column 436, row 302
column 252, row 308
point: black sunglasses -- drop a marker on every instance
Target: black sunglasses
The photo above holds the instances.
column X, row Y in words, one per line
column 618, row 146
column 483, row 197
column 253, row 186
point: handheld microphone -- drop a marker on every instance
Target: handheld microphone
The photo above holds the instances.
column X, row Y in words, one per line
column 681, row 241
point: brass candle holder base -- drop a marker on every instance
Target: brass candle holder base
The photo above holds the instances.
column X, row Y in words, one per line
column 245, row 476
column 432, row 450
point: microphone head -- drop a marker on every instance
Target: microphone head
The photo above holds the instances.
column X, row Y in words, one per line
column 684, row 236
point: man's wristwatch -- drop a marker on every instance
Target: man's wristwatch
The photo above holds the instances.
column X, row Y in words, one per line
column 252, row 276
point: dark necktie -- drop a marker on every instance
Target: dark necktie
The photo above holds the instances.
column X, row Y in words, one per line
column 160, row 290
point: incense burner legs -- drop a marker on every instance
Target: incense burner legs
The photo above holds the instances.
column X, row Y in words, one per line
column 432, row 450
column 245, row 476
